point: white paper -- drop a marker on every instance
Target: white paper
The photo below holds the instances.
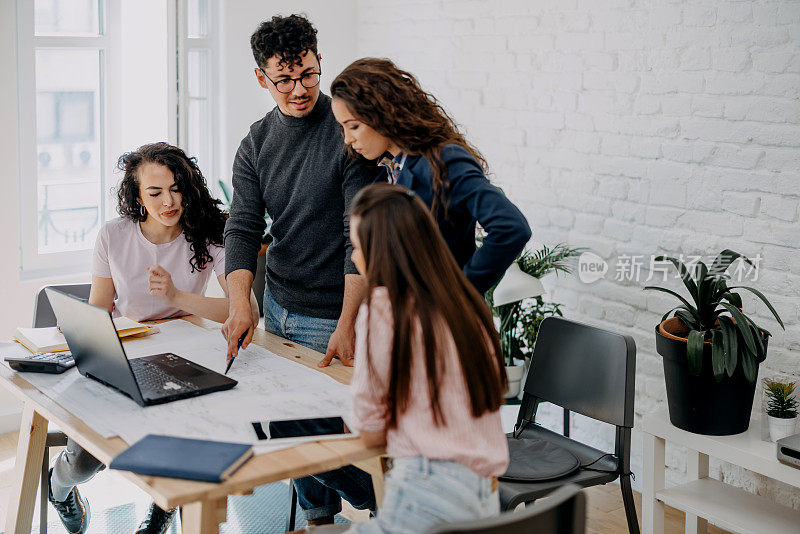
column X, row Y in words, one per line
column 270, row 387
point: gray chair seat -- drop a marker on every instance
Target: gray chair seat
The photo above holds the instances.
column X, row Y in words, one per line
column 514, row 493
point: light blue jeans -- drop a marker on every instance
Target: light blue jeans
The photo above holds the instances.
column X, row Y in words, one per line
column 421, row 493
column 312, row 332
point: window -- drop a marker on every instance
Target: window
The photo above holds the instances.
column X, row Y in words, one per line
column 65, row 50
column 83, row 102
column 196, row 65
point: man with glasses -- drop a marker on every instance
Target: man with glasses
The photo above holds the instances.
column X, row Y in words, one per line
column 293, row 165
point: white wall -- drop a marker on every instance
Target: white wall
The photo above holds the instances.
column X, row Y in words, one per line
column 244, row 101
column 631, row 127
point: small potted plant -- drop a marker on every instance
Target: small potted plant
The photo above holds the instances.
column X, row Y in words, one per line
column 521, row 308
column 781, row 408
column 711, row 350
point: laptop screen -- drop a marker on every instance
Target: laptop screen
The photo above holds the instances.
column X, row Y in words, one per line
column 93, row 341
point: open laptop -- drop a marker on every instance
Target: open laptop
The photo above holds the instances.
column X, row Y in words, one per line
column 99, row 354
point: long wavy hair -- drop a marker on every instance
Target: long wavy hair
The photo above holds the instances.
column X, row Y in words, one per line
column 391, row 101
column 405, row 253
column 202, row 220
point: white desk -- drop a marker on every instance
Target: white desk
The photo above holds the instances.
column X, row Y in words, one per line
column 707, row 500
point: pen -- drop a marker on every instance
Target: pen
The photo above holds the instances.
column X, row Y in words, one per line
column 230, row 362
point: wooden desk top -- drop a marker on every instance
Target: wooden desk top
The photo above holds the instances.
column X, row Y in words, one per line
column 302, row 460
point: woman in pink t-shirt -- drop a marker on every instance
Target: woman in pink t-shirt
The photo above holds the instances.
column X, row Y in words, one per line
column 153, row 262
column 429, row 378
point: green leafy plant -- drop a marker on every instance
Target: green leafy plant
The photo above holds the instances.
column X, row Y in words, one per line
column 780, row 400
column 715, row 316
column 519, row 321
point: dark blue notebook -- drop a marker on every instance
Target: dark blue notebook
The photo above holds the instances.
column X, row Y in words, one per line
column 193, row 459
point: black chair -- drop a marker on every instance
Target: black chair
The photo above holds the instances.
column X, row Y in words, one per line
column 561, row 512
column 43, row 317
column 590, row 371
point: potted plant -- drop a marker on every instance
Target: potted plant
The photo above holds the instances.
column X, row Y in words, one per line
column 522, row 310
column 711, row 350
column 781, row 408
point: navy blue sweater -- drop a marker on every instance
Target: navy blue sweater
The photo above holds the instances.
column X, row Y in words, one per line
column 471, row 198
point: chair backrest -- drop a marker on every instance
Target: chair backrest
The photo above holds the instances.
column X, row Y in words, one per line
column 43, row 315
column 561, row 512
column 584, row 369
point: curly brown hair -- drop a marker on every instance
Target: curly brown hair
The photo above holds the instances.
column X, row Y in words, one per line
column 286, row 37
column 202, row 221
column 391, row 101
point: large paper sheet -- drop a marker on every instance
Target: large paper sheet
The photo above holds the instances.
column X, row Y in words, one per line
column 270, row 387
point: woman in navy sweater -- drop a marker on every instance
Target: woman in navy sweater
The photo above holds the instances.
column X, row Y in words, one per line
column 384, row 111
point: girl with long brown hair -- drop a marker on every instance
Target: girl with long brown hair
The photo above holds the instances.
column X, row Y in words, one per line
column 428, row 380
column 384, row 110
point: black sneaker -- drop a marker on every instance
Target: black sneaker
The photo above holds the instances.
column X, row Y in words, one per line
column 74, row 511
column 157, row 521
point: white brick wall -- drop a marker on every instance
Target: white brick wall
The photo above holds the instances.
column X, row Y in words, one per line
column 631, row 127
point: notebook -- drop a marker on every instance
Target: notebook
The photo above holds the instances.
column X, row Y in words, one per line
column 193, row 459
column 52, row 340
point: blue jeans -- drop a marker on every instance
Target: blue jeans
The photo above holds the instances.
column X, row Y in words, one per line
column 319, row 495
column 421, row 493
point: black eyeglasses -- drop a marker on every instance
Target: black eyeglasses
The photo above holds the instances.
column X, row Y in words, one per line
column 286, row 85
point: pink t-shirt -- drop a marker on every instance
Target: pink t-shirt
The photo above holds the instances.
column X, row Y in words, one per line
column 478, row 443
column 123, row 254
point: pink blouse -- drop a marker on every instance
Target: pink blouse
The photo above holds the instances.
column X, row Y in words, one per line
column 476, row 442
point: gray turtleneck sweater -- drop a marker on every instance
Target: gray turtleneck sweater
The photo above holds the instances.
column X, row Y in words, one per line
column 296, row 169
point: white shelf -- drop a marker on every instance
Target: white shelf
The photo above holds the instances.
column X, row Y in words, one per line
column 746, row 449
column 731, row 508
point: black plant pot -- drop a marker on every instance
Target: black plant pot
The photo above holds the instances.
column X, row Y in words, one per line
column 700, row 404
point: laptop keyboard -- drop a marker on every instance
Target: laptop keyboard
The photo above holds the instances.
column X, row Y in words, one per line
column 152, row 379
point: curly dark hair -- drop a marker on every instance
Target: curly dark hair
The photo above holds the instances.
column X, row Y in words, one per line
column 391, row 101
column 286, row 37
column 203, row 221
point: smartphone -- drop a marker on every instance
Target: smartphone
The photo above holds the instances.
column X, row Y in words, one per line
column 317, row 427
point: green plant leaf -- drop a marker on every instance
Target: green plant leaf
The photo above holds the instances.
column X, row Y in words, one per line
column 729, row 344
column 720, row 288
column 664, row 317
column 760, row 295
column 703, row 283
column 724, row 260
column 749, row 366
column 674, row 294
column 733, row 298
column 761, row 346
column 717, row 355
column 742, row 326
column 687, row 318
column 684, row 272
column 694, row 351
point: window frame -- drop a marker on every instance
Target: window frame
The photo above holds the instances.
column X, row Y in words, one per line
column 34, row 264
column 210, row 165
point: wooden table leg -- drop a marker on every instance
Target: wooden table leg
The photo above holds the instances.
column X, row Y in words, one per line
column 697, row 467
column 374, row 466
column 27, row 469
column 653, row 464
column 204, row 517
